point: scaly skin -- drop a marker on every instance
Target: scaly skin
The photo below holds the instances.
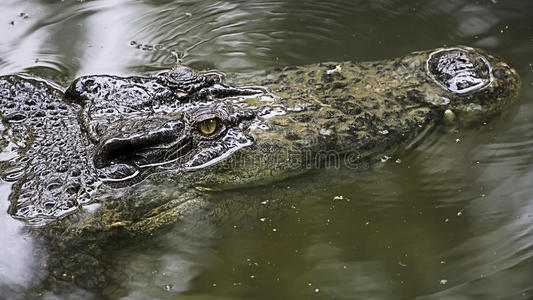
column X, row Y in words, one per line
column 339, row 114
column 109, row 133
column 131, row 146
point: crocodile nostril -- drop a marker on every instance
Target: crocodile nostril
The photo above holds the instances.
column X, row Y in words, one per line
column 459, row 70
column 500, row 73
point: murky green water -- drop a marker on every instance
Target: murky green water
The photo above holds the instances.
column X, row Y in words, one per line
column 451, row 219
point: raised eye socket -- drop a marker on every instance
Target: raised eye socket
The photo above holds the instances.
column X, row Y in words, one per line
column 208, row 127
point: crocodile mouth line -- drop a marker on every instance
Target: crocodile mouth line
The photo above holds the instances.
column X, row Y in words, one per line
column 174, row 156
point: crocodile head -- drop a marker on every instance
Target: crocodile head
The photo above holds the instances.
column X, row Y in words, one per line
column 323, row 115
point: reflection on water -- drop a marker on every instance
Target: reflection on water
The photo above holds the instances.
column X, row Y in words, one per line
column 16, row 258
column 117, row 36
column 452, row 218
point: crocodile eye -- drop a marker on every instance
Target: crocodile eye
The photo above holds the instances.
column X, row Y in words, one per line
column 208, row 127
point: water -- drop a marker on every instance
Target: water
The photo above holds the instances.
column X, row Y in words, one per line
column 451, row 219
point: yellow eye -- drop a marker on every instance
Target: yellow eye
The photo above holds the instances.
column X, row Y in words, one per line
column 208, row 127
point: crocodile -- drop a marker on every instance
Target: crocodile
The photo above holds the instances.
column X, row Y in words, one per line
column 127, row 156
column 109, row 141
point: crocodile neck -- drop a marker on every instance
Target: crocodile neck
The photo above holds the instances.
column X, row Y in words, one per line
column 49, row 150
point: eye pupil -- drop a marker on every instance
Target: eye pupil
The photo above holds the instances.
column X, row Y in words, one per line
column 207, row 127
